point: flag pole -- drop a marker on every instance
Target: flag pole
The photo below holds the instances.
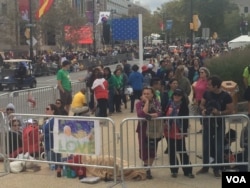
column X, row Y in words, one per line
column 94, row 29
column 31, row 31
column 140, row 41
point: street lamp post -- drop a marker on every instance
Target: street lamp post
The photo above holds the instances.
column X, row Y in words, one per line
column 191, row 30
column 94, row 30
column 112, row 11
column 31, row 30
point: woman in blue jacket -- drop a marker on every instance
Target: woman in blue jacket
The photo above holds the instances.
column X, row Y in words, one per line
column 48, row 126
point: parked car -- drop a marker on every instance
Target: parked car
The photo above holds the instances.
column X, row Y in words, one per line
column 42, row 69
column 17, row 74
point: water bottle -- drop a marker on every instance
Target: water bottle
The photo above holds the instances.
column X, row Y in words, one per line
column 73, row 174
column 64, row 171
column 52, row 167
column 68, row 172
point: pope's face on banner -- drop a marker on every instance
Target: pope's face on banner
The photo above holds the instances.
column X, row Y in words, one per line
column 67, row 130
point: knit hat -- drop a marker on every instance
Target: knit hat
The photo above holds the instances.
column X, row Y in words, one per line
column 11, row 106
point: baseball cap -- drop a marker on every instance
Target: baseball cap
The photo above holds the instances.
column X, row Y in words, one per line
column 178, row 91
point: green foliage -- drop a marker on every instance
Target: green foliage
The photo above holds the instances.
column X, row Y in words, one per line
column 221, row 16
column 230, row 66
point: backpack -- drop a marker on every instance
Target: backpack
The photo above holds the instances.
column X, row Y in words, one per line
column 147, row 79
column 31, row 139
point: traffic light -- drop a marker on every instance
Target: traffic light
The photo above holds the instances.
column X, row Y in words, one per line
column 196, row 22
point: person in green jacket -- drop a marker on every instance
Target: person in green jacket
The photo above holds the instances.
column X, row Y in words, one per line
column 118, row 89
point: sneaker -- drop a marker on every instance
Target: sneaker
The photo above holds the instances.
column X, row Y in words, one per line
column 191, row 176
column 217, row 174
column 202, row 171
column 174, row 175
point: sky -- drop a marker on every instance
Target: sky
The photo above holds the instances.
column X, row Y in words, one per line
column 153, row 4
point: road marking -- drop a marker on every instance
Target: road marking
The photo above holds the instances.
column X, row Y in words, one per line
column 50, row 79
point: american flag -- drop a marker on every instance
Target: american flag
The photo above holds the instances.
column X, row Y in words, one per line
column 125, row 29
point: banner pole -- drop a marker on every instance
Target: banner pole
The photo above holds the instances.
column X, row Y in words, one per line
column 140, row 41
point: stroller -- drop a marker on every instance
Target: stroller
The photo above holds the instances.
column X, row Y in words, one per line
column 229, row 156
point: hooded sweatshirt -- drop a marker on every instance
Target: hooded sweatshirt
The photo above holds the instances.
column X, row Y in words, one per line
column 100, row 87
column 136, row 81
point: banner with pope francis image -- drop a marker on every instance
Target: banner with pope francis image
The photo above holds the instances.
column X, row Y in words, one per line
column 78, row 136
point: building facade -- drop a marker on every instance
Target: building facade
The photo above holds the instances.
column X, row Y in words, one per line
column 244, row 6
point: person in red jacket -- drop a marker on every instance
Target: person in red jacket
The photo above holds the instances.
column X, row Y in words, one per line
column 100, row 87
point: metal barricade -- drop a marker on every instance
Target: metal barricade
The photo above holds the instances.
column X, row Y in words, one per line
column 4, row 167
column 134, row 148
column 32, row 101
column 77, row 86
column 92, row 139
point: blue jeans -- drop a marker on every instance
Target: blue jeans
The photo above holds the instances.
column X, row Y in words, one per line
column 213, row 141
column 111, row 101
column 52, row 156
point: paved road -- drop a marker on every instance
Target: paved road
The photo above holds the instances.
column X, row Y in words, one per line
column 51, row 80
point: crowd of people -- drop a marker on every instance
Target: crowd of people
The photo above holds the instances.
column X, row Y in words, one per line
column 171, row 83
column 160, row 88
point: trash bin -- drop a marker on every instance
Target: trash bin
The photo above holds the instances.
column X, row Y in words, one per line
column 232, row 88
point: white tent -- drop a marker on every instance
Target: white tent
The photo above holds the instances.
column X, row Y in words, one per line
column 239, row 42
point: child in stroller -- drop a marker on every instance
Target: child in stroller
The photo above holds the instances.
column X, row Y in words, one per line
column 229, row 156
column 242, row 156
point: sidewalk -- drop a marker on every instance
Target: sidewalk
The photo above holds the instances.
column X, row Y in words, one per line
column 47, row 179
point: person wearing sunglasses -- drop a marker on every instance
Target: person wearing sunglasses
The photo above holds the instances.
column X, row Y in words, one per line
column 15, row 138
column 61, row 109
column 175, row 132
column 48, row 126
column 199, row 87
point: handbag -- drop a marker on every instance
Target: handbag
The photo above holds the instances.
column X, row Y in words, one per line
column 154, row 128
column 194, row 109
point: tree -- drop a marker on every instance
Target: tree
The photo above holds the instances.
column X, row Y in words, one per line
column 221, row 16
